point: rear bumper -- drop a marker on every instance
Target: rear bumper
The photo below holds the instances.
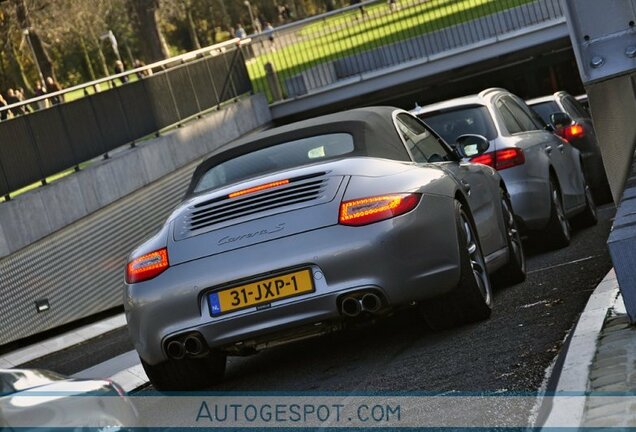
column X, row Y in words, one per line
column 410, row 258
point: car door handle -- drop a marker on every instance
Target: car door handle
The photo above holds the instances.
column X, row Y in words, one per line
column 561, row 147
column 548, row 149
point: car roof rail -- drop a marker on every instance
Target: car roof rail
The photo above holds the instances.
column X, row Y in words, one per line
column 492, row 90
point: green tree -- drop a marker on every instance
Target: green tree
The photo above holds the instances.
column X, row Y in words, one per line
column 151, row 38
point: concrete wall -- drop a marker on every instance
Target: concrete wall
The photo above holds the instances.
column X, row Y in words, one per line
column 36, row 214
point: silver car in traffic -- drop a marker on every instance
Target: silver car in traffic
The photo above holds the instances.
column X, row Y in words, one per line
column 298, row 231
column 577, row 128
column 542, row 171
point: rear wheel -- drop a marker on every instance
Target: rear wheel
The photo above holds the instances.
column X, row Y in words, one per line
column 187, row 374
column 587, row 217
column 515, row 271
column 471, row 300
column 558, row 228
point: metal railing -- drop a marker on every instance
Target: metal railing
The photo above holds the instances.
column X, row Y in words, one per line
column 323, row 50
column 51, row 140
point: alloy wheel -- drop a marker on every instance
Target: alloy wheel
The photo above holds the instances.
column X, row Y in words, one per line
column 477, row 262
column 514, row 239
column 563, row 221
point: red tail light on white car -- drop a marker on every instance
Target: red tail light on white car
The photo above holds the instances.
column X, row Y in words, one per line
column 501, row 159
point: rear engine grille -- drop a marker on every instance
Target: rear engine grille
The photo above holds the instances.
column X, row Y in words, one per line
column 224, row 209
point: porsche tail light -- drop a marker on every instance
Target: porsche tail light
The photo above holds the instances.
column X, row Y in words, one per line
column 147, row 266
column 501, row 159
column 366, row 211
column 573, row 131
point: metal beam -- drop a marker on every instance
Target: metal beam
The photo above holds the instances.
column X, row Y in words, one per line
column 603, row 35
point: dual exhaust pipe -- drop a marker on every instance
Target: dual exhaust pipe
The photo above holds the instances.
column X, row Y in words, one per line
column 191, row 346
column 352, row 306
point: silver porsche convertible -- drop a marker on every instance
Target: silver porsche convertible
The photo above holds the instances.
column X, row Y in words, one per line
column 301, row 230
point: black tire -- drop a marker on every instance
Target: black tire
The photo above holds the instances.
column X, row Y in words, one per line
column 558, row 231
column 589, row 216
column 187, row 374
column 515, row 271
column 471, row 300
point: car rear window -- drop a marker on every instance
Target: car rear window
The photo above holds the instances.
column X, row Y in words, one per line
column 544, row 110
column 281, row 156
column 450, row 124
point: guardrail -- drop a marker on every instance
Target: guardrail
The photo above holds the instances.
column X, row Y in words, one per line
column 51, row 140
column 321, row 51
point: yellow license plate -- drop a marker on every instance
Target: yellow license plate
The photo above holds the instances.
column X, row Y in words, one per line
column 261, row 292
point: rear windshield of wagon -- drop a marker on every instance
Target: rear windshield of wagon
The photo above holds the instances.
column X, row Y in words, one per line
column 278, row 157
column 452, row 123
column 544, row 109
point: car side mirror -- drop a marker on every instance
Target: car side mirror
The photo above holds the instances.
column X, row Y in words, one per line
column 470, row 145
column 560, row 120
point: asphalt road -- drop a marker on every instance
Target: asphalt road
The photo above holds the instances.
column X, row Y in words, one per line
column 510, row 351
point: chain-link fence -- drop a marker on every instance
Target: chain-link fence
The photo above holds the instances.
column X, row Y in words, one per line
column 332, row 48
column 51, row 140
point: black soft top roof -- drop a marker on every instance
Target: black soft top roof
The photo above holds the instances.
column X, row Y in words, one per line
column 372, row 129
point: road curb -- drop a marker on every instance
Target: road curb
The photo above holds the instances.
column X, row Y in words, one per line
column 61, row 342
column 579, row 355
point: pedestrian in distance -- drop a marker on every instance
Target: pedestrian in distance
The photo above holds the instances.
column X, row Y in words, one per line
column 240, row 31
column 281, row 13
column 52, row 87
column 40, row 90
column 263, row 20
column 120, row 68
column 284, row 13
column 287, row 12
column 144, row 73
column 13, row 98
column 269, row 31
column 20, row 94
